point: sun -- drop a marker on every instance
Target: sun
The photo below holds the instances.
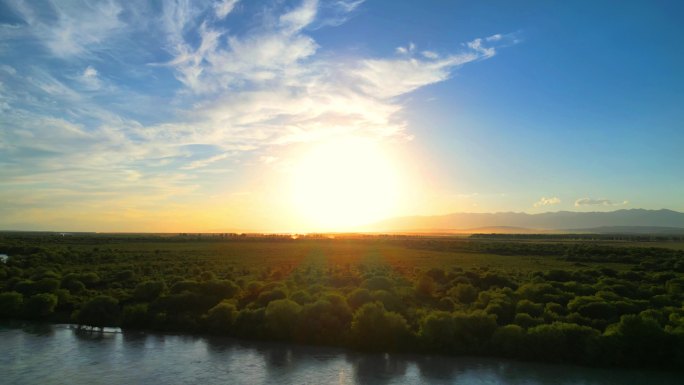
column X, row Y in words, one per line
column 342, row 184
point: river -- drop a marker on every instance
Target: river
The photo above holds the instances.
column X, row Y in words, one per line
column 59, row 354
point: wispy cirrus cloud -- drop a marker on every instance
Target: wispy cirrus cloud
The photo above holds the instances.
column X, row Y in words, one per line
column 113, row 89
column 224, row 7
column 598, row 202
column 67, row 28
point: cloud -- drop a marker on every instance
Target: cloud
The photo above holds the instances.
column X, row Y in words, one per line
column 544, row 201
column 335, row 13
column 388, row 78
column 299, row 17
column 409, row 49
column 430, row 54
column 496, row 37
column 224, row 7
column 70, row 28
column 205, row 162
column 165, row 96
column 90, row 78
column 598, row 202
column 478, row 46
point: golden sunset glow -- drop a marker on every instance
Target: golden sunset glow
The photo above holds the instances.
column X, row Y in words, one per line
column 345, row 183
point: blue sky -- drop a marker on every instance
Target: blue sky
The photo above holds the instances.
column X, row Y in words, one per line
column 198, row 116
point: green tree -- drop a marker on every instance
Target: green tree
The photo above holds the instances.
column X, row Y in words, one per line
column 282, row 318
column 374, row 328
column 149, row 290
column 100, row 311
column 40, row 305
column 464, row 293
column 11, row 304
column 221, row 317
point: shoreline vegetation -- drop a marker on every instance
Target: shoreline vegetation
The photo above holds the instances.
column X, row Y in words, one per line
column 589, row 300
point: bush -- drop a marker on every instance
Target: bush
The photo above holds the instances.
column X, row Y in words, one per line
column 374, row 328
column 378, row 283
column 135, row 316
column 473, row 330
column 508, row 341
column 425, row 287
column 640, row 340
column 40, row 305
column 11, row 304
column 561, row 342
column 100, row 311
column 325, row 322
column 74, row 286
column 529, row 307
column 148, row 291
column 282, row 318
column 221, row 317
column 437, row 331
column 464, row 293
column 358, row 298
column 527, row 321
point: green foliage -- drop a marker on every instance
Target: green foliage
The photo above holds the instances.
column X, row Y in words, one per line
column 135, row 316
column 149, row 290
column 11, row 304
column 561, row 342
column 508, row 341
column 374, row 328
column 464, row 293
column 358, row 298
column 640, row 339
column 282, row 318
column 74, row 286
column 529, row 307
column 437, row 331
column 40, row 305
column 100, row 311
column 573, row 301
column 325, row 321
column 378, row 283
column 221, row 317
column 425, row 286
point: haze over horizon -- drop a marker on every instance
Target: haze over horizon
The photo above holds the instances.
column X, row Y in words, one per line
column 311, row 115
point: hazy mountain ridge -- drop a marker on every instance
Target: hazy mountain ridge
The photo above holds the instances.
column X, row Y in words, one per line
column 631, row 220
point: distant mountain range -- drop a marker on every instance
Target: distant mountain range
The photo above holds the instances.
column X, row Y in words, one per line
column 619, row 221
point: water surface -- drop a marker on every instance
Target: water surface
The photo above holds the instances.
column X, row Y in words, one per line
column 59, row 354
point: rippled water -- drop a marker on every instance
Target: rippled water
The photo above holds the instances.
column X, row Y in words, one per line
column 58, row 354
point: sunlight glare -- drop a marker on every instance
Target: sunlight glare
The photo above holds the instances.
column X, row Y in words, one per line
column 341, row 184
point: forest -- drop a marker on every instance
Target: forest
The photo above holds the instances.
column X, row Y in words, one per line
column 589, row 301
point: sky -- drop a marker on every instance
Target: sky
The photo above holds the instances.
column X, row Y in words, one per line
column 305, row 115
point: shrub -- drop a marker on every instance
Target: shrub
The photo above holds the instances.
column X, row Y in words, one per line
column 40, row 305
column 100, row 311
column 464, row 293
column 135, row 316
column 374, row 328
column 358, row 298
column 11, row 304
column 221, row 317
column 281, row 318
column 148, row 291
